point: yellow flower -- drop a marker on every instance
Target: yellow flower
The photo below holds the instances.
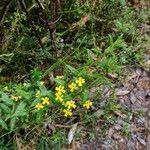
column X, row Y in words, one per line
column 80, row 81
column 60, row 89
column 70, row 104
column 58, row 94
column 73, row 87
column 59, row 77
column 16, row 98
column 67, row 112
column 45, row 101
column 59, row 97
column 39, row 106
column 37, row 94
column 87, row 104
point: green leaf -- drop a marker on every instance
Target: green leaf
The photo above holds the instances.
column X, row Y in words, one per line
column 35, row 101
column 24, row 94
column 5, row 108
column 84, row 95
column 72, row 70
column 20, row 111
column 4, row 97
column 36, row 74
column 58, row 81
column 3, row 124
column 119, row 43
column 42, row 88
column 12, row 123
column 123, row 2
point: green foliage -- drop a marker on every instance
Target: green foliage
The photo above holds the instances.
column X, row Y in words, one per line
column 83, row 27
column 23, row 102
column 93, row 39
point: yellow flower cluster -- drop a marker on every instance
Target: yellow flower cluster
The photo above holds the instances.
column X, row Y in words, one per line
column 69, row 106
column 16, row 98
column 45, row 101
column 67, row 112
column 59, row 93
column 78, row 83
column 87, row 104
column 72, row 86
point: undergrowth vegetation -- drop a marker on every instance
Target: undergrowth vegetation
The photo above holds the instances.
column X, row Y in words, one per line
column 52, row 55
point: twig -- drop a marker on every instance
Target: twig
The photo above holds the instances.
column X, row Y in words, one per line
column 46, row 20
column 23, row 6
column 62, row 126
column 53, row 8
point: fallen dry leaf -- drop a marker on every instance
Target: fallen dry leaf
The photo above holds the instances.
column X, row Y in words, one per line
column 144, row 83
column 120, row 92
column 71, row 133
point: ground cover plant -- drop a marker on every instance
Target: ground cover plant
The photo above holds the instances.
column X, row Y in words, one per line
column 60, row 65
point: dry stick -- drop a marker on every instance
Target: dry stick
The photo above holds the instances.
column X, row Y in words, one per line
column 22, row 4
column 47, row 23
column 52, row 24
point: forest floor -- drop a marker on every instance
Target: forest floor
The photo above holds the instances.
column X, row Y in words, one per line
column 130, row 132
